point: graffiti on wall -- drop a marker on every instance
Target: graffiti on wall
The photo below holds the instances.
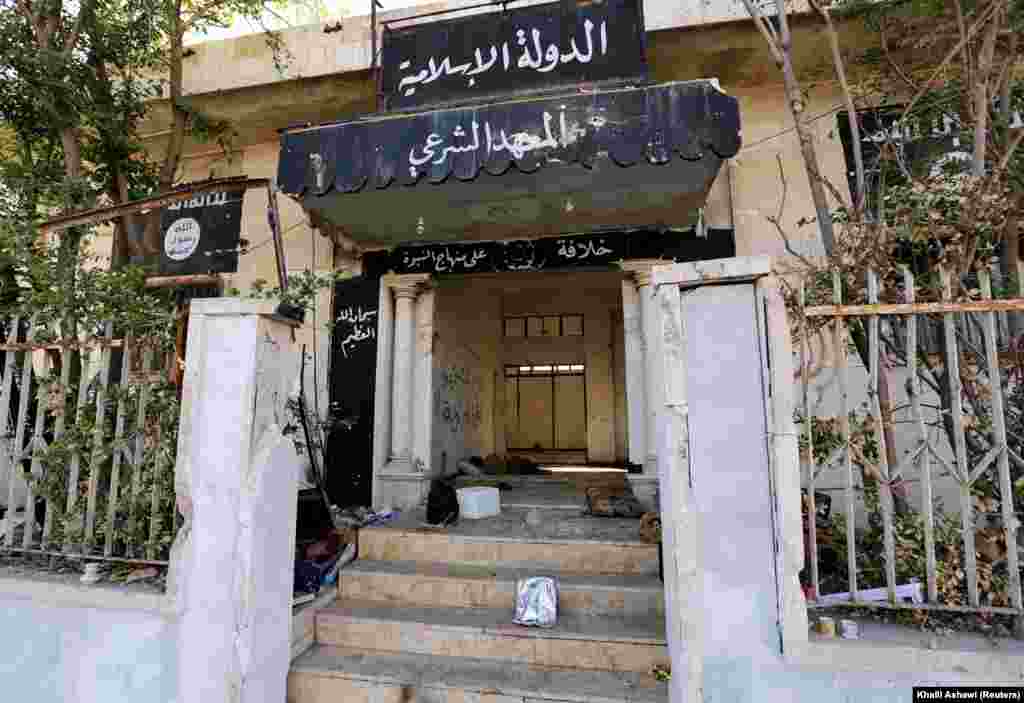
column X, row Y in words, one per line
column 457, row 399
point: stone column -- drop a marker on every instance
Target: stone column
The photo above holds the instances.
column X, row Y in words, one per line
column 231, row 572
column 382, row 390
column 423, row 382
column 636, row 433
column 645, row 487
column 400, row 481
column 405, row 292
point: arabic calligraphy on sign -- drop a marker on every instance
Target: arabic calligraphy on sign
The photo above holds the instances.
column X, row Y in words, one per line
column 361, row 326
column 443, row 261
column 517, row 143
column 201, row 200
column 578, row 251
column 534, row 56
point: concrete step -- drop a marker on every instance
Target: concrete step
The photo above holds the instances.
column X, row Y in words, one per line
column 328, row 674
column 579, row 641
column 469, row 586
column 561, row 541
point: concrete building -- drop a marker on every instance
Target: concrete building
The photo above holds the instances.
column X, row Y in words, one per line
column 328, row 81
column 500, row 306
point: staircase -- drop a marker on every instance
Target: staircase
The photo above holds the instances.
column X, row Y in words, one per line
column 426, row 615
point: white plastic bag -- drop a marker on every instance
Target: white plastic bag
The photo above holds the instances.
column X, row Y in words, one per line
column 536, row 602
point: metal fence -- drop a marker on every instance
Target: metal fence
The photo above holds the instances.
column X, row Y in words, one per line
column 970, row 382
column 88, row 445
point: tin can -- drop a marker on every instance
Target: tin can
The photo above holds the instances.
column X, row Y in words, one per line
column 826, row 626
column 848, row 630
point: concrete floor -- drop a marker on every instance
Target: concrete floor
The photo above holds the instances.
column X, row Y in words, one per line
column 558, row 501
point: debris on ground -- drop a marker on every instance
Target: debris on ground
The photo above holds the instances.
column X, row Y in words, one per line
column 650, row 528
column 140, row 574
column 613, row 501
column 939, row 623
column 360, row 516
column 661, row 673
column 536, row 602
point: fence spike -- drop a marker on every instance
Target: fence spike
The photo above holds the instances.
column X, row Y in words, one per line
column 97, row 446
column 885, row 484
column 140, row 443
column 960, row 441
column 17, row 452
column 115, row 469
column 995, row 379
column 840, row 352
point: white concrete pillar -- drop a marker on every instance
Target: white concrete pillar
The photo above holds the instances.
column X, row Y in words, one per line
column 653, row 373
column 231, row 573
column 405, row 292
column 382, row 389
column 423, row 381
column 636, row 414
column 399, row 482
column 644, row 374
column 730, row 502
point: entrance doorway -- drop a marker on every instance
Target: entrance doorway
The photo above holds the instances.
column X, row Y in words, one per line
column 546, row 407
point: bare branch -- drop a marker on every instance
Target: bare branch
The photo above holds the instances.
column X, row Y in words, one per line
column 851, row 113
column 777, row 220
column 1011, row 148
column 981, row 94
column 988, row 12
column 966, row 53
column 767, row 30
column 889, row 59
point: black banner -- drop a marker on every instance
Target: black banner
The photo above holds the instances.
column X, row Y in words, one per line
column 202, row 235
column 589, row 250
column 918, row 147
column 530, row 48
column 353, row 375
column 649, row 125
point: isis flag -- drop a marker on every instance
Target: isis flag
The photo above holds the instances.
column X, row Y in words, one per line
column 202, row 235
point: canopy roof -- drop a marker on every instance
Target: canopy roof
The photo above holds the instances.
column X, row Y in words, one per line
column 529, row 167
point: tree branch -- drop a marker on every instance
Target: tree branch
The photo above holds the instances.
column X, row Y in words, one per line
column 851, row 113
column 766, row 29
column 777, row 220
column 949, row 57
column 1011, row 148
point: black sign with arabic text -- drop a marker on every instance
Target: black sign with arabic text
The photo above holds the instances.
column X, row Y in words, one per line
column 523, row 49
column 202, row 234
column 353, row 374
column 601, row 250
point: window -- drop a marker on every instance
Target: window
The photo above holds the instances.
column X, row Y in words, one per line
column 544, row 326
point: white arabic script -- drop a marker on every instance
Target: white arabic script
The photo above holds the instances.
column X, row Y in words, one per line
column 443, row 260
column 543, row 60
column 201, row 200
column 583, row 250
column 517, row 143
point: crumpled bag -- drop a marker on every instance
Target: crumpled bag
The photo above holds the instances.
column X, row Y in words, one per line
column 536, row 602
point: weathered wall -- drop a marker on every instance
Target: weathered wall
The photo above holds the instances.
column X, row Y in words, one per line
column 61, row 645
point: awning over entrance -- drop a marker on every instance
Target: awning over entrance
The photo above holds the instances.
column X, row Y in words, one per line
column 643, row 156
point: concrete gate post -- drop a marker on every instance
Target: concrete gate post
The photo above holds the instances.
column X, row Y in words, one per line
column 729, row 475
column 231, row 573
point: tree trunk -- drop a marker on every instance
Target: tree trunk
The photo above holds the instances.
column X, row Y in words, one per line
column 981, row 94
column 794, row 97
